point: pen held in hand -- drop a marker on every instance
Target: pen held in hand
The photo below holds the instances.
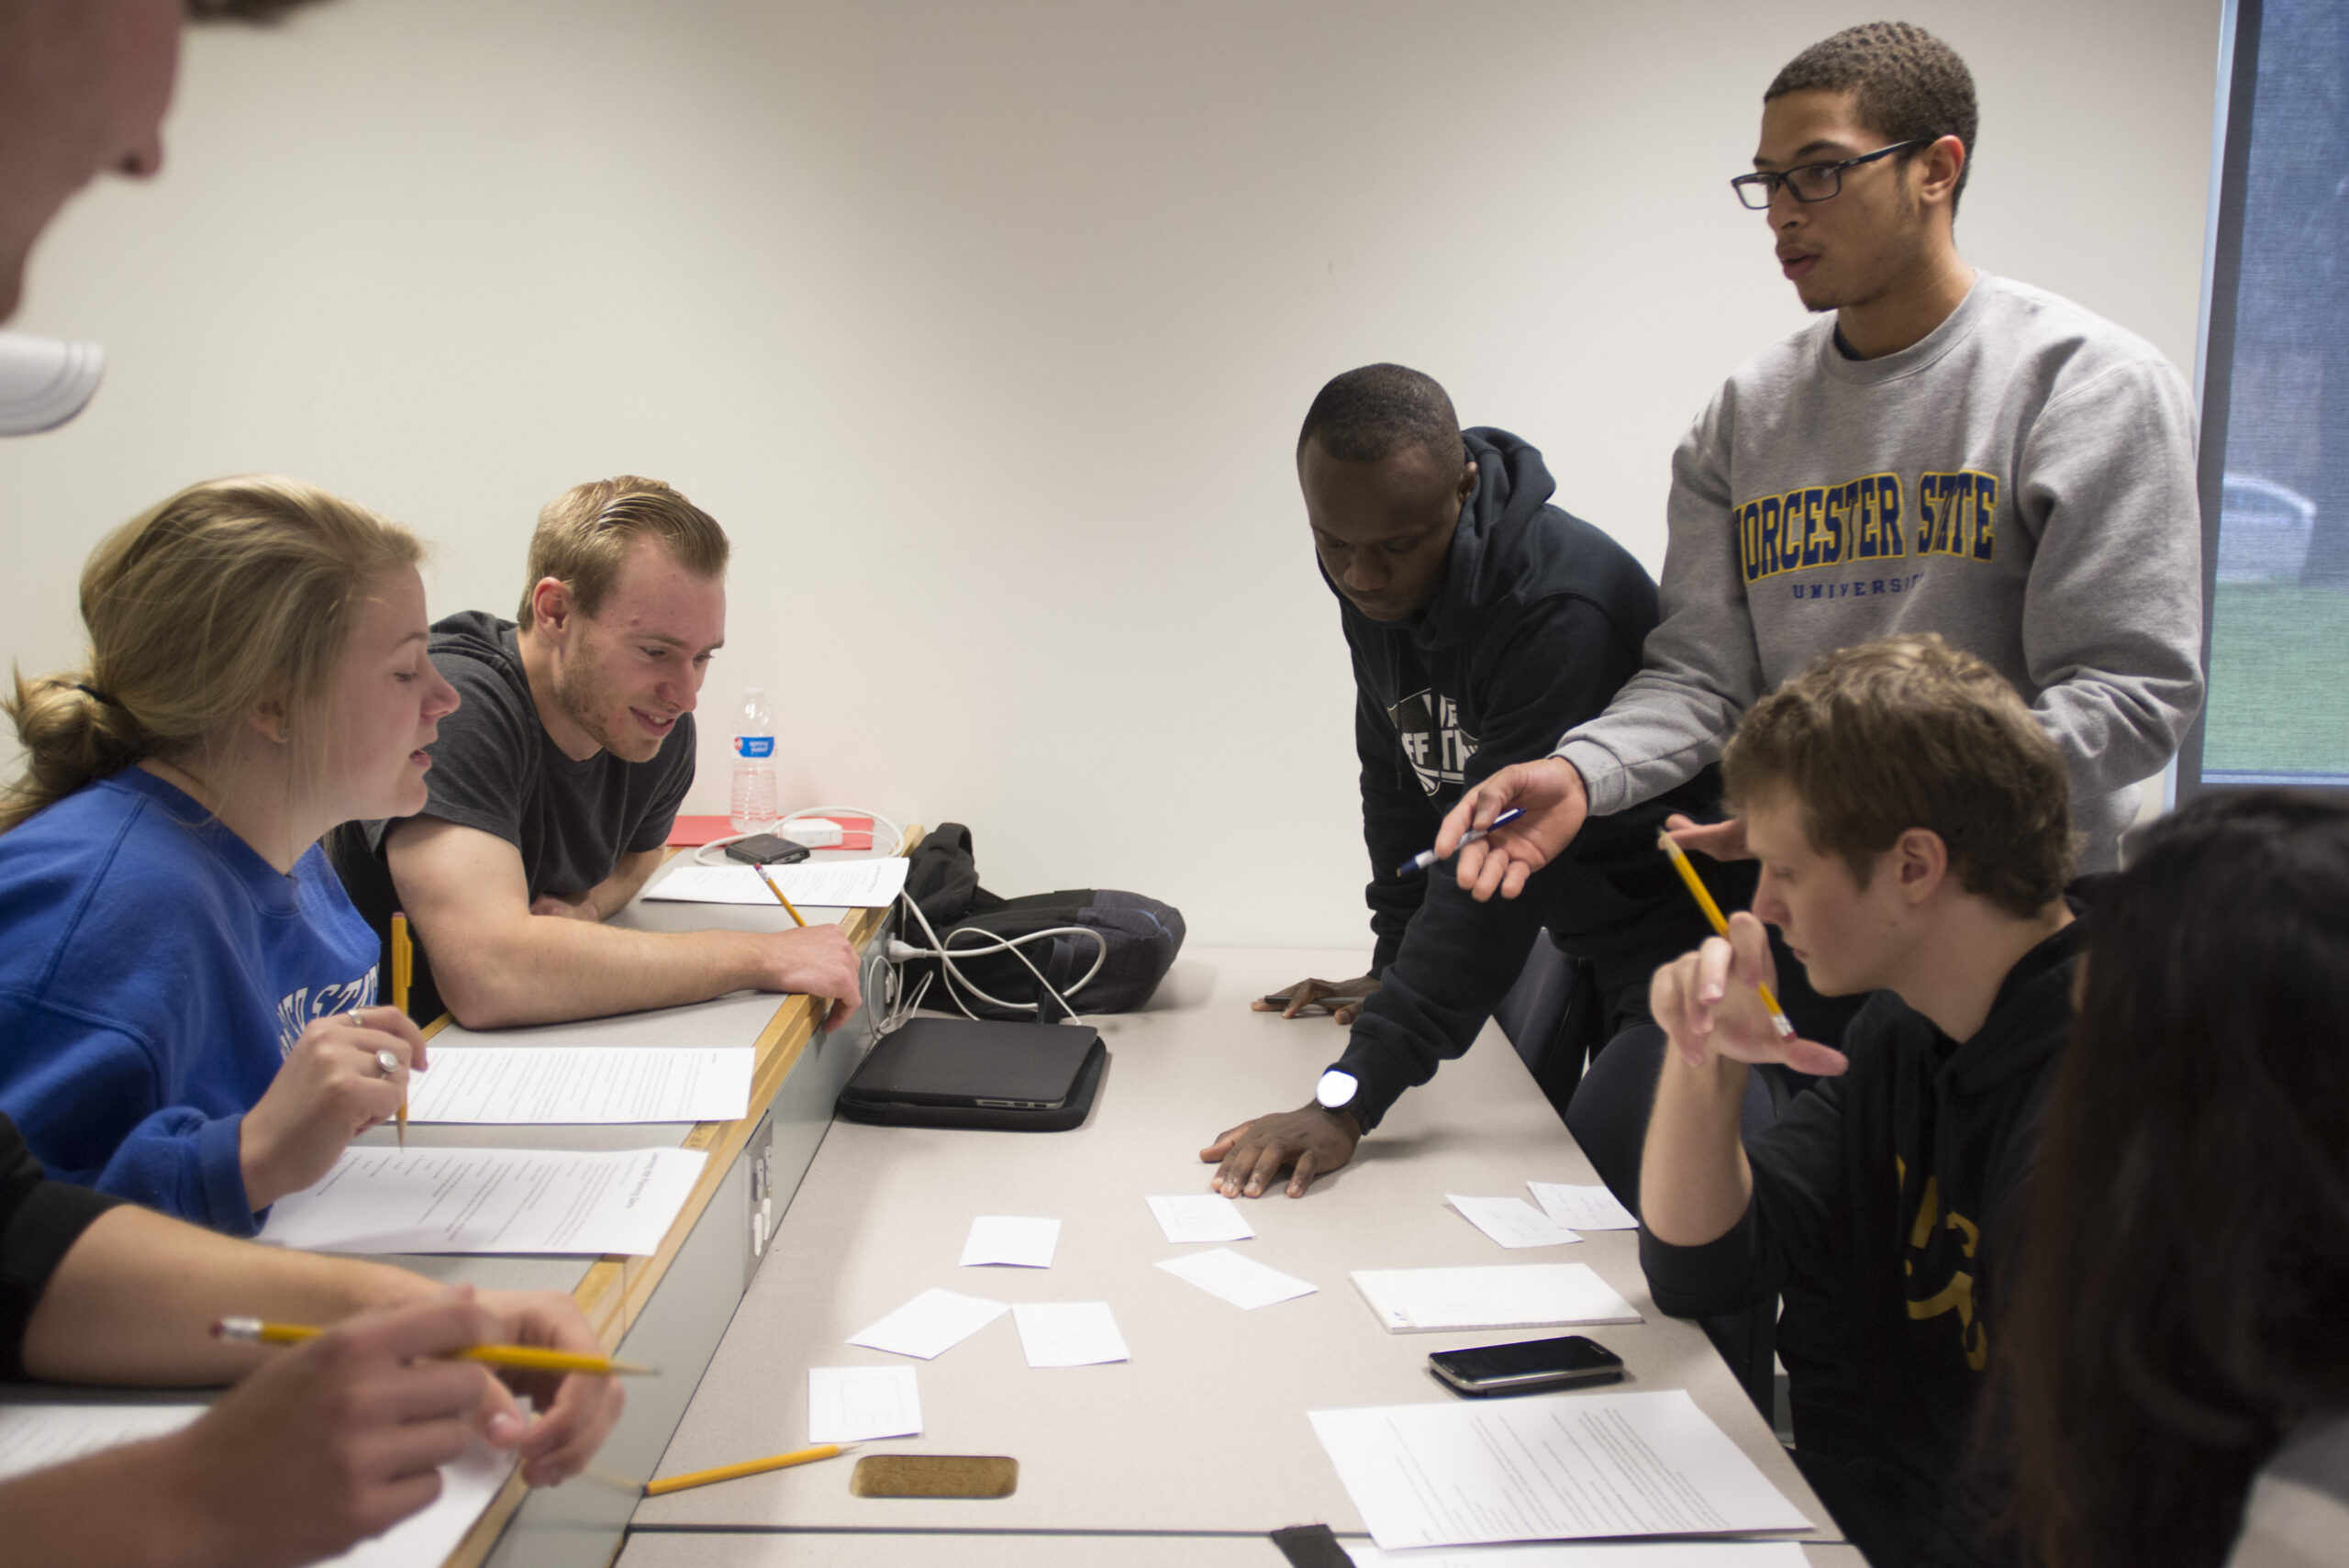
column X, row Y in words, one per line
column 530, row 1357
column 1427, row 857
column 1704, row 897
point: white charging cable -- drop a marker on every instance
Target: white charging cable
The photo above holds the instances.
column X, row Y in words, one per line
column 983, row 944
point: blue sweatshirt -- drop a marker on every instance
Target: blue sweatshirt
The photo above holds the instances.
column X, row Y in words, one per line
column 153, row 973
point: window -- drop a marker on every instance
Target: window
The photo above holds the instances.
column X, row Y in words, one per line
column 2274, row 452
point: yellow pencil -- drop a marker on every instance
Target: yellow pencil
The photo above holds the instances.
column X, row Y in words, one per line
column 403, row 972
column 252, row 1330
column 1671, row 846
column 748, row 1467
column 787, row 909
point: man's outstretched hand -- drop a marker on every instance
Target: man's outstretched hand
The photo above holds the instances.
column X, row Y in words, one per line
column 1549, row 792
column 1313, row 1141
column 1292, row 1001
column 1709, row 1004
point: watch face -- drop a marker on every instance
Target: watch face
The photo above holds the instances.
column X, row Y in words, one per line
column 1336, row 1089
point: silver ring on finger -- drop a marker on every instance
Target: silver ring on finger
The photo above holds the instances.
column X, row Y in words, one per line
column 388, row 1060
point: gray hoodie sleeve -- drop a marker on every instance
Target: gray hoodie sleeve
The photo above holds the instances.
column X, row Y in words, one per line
column 2112, row 614
column 2083, row 585
column 1702, row 668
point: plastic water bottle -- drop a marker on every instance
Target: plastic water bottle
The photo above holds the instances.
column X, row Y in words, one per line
column 757, row 793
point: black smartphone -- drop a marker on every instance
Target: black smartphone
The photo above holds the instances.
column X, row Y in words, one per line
column 766, row 849
column 1529, row 1366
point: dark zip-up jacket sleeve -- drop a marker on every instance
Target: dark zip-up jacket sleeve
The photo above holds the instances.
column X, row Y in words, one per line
column 1802, row 1207
column 1398, row 819
column 1457, row 958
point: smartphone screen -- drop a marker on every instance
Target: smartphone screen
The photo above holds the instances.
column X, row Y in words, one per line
column 1527, row 1366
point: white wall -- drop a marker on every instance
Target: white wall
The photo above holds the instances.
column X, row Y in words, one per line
column 987, row 328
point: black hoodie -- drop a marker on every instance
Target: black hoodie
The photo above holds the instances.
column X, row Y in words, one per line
column 1881, row 1207
column 1540, row 619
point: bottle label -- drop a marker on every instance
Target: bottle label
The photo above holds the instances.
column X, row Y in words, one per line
column 754, row 745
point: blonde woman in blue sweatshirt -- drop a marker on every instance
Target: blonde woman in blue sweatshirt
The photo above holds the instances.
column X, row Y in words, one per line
column 186, row 1013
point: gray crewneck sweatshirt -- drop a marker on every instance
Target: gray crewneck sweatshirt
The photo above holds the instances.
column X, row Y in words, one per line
column 2020, row 481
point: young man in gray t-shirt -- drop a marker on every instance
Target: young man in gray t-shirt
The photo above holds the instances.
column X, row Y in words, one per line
column 1948, row 452
column 555, row 783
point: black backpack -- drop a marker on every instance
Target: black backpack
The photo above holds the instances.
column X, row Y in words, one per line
column 1134, row 938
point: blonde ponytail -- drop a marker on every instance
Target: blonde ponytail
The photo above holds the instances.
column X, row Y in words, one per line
column 233, row 593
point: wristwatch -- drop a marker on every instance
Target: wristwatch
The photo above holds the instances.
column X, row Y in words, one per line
column 1336, row 1090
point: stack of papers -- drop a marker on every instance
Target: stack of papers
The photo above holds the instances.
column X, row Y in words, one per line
column 1560, row 1467
column 852, row 885
column 33, row 1437
column 931, row 1324
column 517, row 1086
column 489, row 1200
column 1507, row 1296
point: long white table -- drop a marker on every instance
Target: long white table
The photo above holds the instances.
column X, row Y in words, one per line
column 671, row 1308
column 1199, row 1446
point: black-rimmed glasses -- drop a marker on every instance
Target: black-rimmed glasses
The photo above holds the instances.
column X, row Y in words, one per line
column 1809, row 182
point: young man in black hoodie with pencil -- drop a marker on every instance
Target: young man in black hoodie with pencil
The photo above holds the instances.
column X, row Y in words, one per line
column 1913, row 827
column 1481, row 619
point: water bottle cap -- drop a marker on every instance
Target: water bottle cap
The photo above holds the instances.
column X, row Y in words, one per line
column 754, row 691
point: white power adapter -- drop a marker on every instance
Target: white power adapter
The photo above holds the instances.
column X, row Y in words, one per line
column 813, row 832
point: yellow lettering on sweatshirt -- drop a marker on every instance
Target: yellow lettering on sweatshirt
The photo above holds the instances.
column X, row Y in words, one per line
column 1823, row 525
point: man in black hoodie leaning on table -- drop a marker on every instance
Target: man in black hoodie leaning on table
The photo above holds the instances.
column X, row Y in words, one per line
column 1484, row 623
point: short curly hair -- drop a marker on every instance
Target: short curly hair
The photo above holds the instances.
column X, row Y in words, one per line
column 1908, row 732
column 1366, row 415
column 1904, row 81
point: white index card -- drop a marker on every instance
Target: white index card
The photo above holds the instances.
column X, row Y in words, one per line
column 1011, row 1239
column 1584, row 1208
column 1511, row 1221
column 1244, row 1282
column 1501, row 1296
column 851, row 1404
column 1201, row 1217
column 1068, row 1334
column 932, row 1322
column 1554, row 1467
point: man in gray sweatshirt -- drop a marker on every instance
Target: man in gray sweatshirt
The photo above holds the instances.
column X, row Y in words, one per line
column 1948, row 452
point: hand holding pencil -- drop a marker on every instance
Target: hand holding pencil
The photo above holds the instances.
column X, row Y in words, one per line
column 1705, row 1000
column 527, row 1342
